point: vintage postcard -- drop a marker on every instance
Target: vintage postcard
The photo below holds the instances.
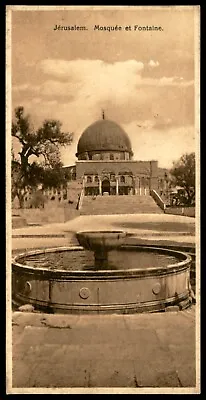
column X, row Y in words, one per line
column 103, row 199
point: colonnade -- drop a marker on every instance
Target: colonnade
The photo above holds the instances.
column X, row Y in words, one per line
column 135, row 187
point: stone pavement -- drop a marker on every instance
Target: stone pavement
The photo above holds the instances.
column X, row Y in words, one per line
column 146, row 227
column 125, row 351
column 105, row 222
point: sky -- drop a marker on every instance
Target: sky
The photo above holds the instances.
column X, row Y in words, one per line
column 143, row 79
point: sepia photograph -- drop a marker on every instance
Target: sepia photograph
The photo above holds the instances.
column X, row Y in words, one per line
column 103, row 199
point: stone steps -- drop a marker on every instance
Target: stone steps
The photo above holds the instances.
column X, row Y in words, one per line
column 102, row 205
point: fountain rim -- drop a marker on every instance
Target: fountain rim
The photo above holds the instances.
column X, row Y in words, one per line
column 97, row 232
column 170, row 268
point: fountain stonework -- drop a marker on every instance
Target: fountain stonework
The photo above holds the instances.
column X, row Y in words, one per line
column 114, row 282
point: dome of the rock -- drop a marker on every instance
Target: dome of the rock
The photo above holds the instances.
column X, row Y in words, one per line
column 104, row 135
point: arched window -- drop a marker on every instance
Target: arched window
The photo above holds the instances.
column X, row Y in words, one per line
column 89, row 179
column 122, row 179
column 96, row 178
column 111, row 156
column 112, row 178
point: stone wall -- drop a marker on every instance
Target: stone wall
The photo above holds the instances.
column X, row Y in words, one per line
column 116, row 167
column 48, row 215
column 186, row 211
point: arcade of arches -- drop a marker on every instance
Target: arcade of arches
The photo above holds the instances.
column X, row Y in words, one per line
column 112, row 184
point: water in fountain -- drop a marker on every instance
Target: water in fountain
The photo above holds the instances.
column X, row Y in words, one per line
column 83, row 260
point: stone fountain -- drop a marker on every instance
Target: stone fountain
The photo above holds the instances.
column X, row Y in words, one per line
column 102, row 275
column 101, row 242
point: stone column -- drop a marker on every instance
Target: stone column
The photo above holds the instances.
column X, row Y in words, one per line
column 117, row 186
column 142, row 186
column 83, row 184
column 100, row 186
column 136, row 183
column 133, row 185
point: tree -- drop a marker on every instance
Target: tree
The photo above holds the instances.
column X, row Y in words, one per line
column 183, row 173
column 44, row 145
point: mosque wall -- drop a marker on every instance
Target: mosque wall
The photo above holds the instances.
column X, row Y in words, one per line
column 116, row 167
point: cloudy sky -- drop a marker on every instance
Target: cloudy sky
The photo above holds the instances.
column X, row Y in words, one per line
column 144, row 80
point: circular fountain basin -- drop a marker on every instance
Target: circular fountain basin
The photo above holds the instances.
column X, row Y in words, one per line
column 137, row 279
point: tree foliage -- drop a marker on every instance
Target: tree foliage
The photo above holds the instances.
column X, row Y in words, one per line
column 39, row 158
column 183, row 174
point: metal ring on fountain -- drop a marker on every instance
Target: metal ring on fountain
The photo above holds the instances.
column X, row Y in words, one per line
column 103, row 290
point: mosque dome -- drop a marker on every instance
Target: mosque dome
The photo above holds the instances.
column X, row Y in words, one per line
column 104, row 135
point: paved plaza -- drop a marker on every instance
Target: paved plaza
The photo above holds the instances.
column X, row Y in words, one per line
column 147, row 228
column 131, row 352
column 126, row 351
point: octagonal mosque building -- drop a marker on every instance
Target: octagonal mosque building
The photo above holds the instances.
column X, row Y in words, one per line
column 105, row 163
